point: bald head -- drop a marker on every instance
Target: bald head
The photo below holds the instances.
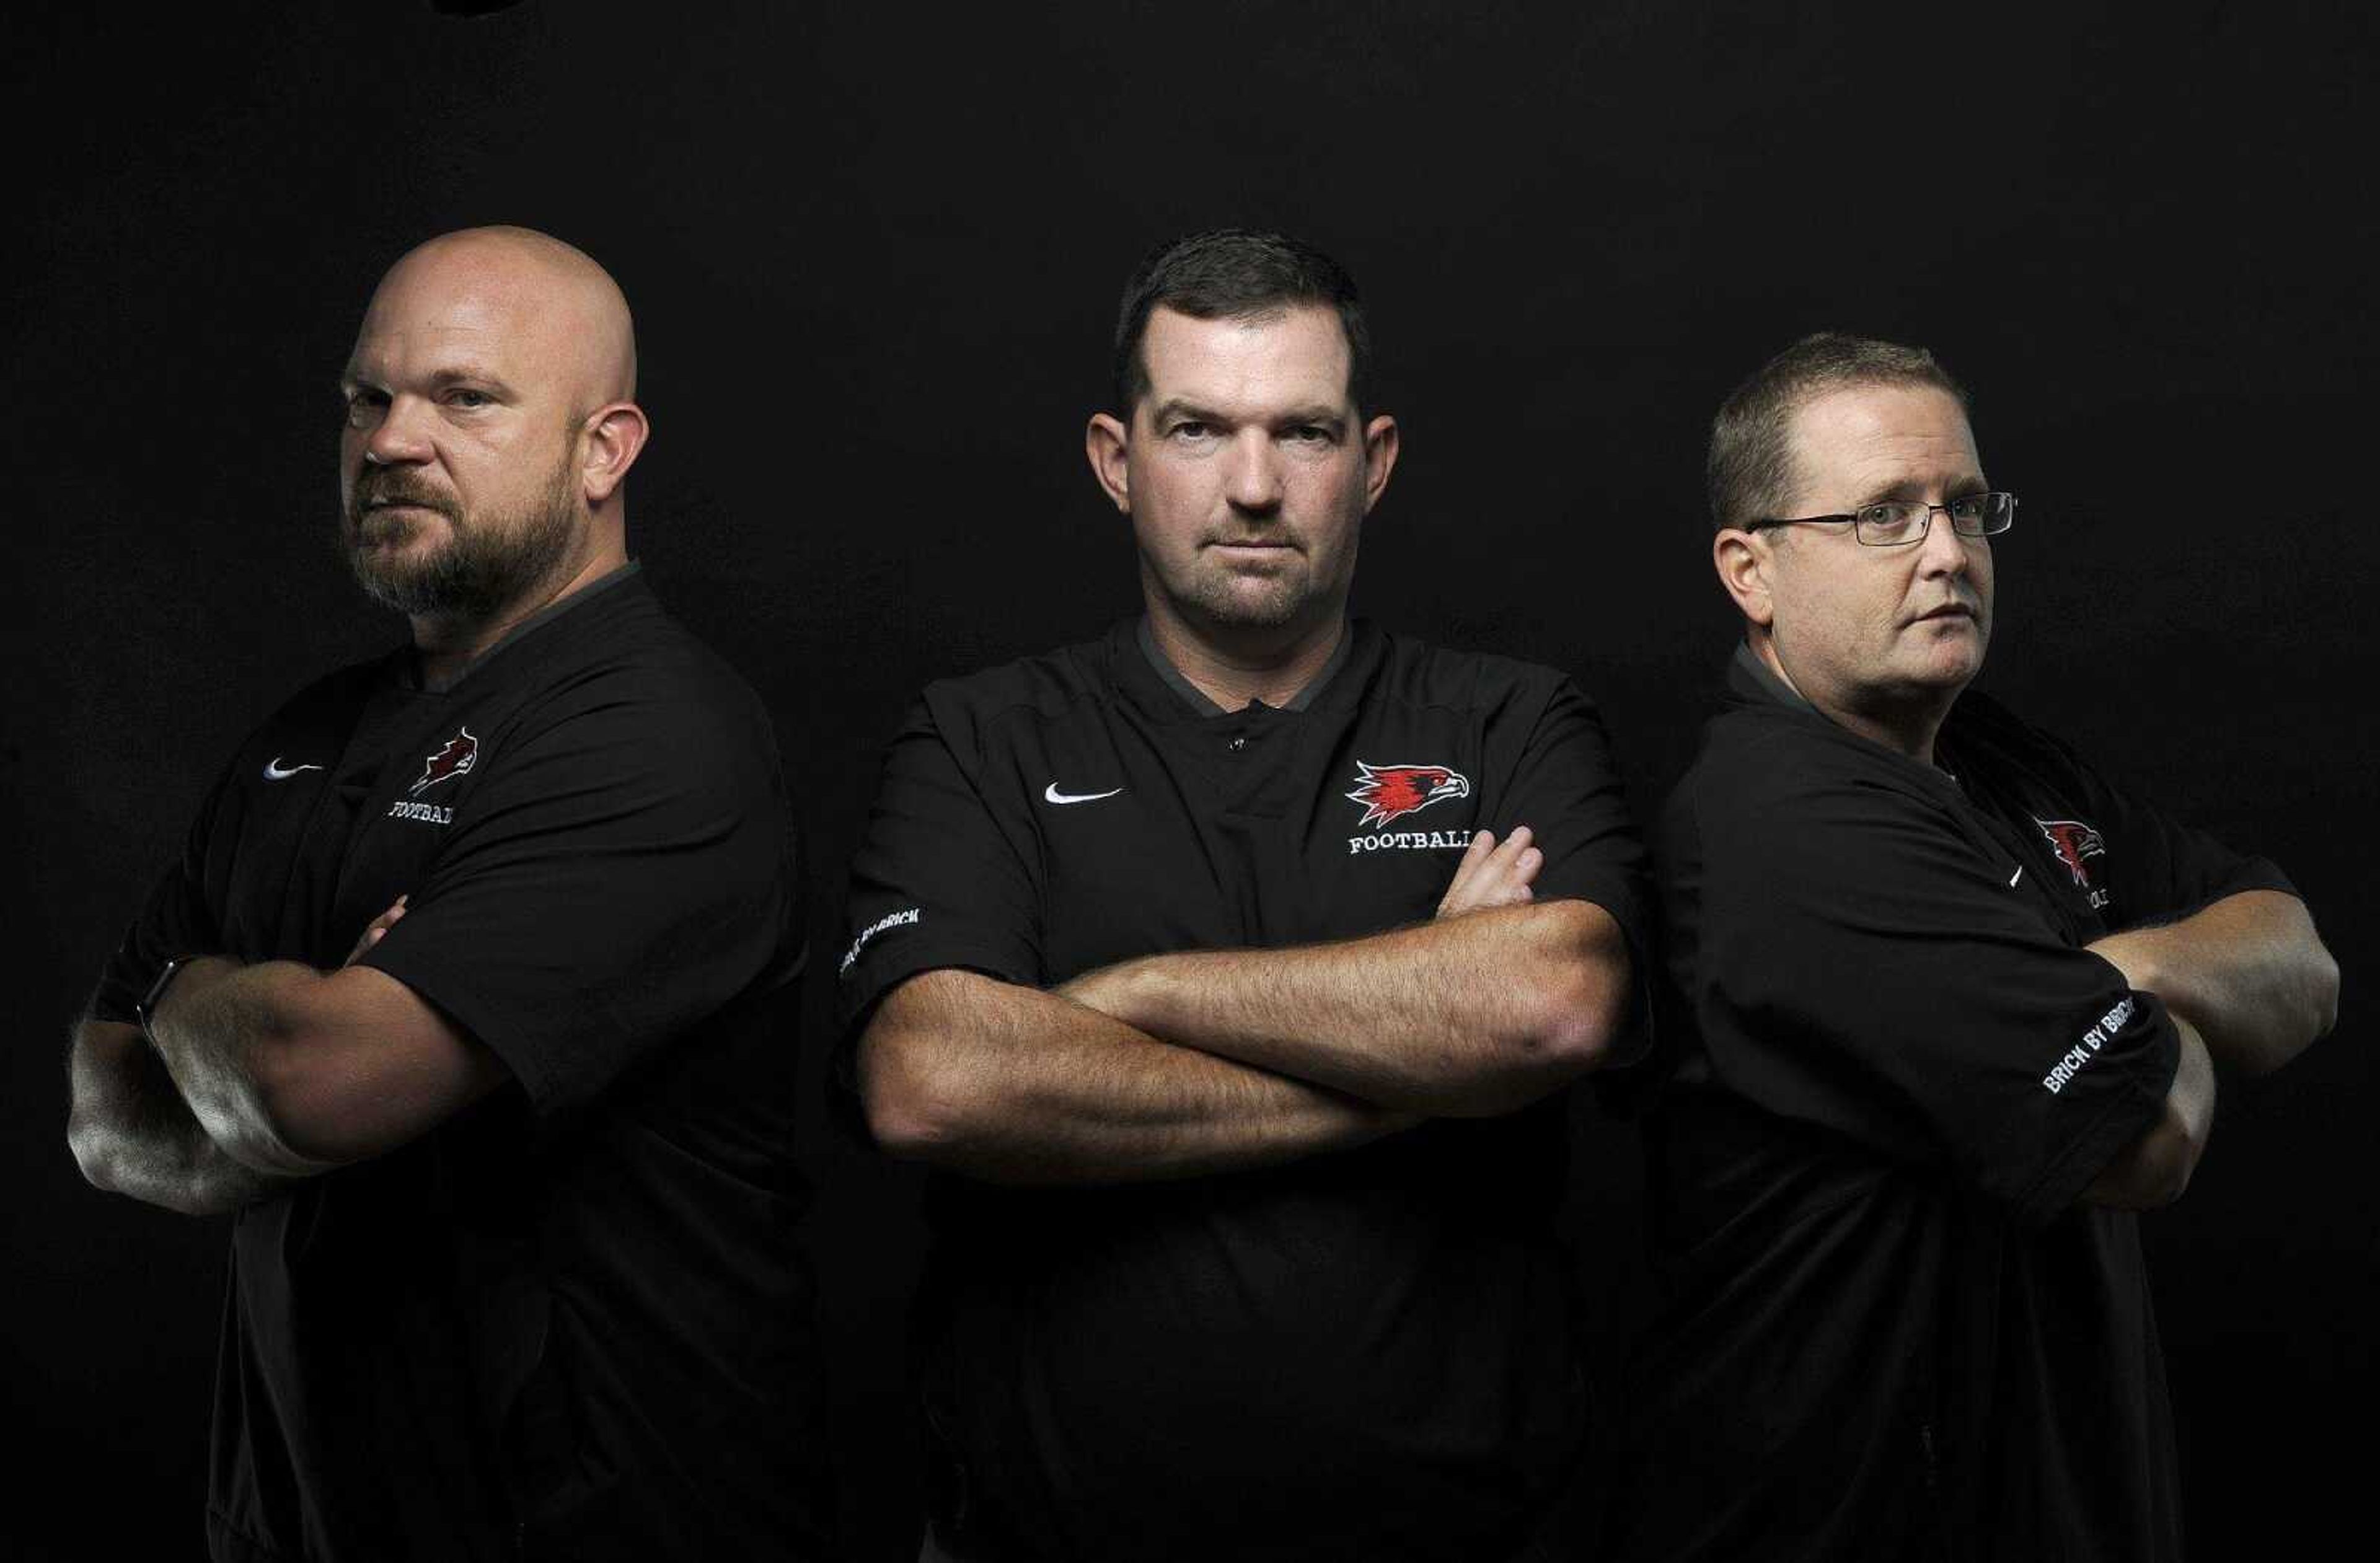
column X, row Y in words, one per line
column 558, row 309
column 490, row 422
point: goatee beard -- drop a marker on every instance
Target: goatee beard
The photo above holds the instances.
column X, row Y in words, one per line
column 487, row 563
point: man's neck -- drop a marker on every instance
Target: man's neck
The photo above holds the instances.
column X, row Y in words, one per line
column 444, row 647
column 1267, row 669
column 1906, row 731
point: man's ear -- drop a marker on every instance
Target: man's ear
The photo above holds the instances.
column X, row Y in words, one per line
column 1743, row 560
column 615, row 433
column 1107, row 443
column 1380, row 459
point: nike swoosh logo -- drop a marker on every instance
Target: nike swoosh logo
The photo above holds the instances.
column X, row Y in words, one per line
column 275, row 771
column 2015, row 876
column 1051, row 793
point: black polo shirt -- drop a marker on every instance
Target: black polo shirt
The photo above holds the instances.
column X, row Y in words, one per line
column 1889, row 1331
column 569, row 1322
column 1367, row 1354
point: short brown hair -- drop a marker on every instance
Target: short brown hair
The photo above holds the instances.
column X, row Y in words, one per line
column 1235, row 273
column 1750, row 469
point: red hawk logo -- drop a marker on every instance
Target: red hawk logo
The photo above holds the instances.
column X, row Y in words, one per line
column 1391, row 792
column 2073, row 842
column 455, row 757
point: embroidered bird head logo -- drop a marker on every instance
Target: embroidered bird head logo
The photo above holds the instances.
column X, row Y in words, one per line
column 1391, row 792
column 455, row 757
column 2074, row 841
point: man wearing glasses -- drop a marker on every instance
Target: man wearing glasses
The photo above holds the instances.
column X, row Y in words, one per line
column 1946, row 1002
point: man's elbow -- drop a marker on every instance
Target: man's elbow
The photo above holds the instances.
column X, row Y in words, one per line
column 1561, row 1022
column 96, row 1127
column 96, row 1149
column 916, row 1111
column 2322, row 992
column 1571, row 1029
column 2153, row 1170
column 1577, row 1008
column 2310, row 994
column 2305, row 1013
column 2158, row 1177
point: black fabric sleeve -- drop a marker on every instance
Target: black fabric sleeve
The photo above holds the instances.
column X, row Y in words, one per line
column 1567, row 789
column 176, row 920
column 625, row 868
column 1864, row 965
column 940, row 879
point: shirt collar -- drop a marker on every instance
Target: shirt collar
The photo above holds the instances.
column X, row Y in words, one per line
column 1755, row 679
column 1750, row 675
column 1196, row 699
column 538, row 620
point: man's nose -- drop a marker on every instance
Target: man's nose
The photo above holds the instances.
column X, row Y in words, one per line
column 400, row 436
column 1943, row 552
column 1253, row 481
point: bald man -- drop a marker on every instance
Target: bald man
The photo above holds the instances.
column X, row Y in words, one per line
column 467, row 1002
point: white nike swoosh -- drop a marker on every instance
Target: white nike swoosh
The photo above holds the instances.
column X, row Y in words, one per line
column 273, row 771
column 2015, row 876
column 1051, row 793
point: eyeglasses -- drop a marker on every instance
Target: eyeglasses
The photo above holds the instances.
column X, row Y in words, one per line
column 1896, row 522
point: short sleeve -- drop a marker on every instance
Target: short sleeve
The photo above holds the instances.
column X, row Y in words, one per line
column 176, row 920
column 937, row 881
column 624, row 870
column 1567, row 789
column 1858, row 962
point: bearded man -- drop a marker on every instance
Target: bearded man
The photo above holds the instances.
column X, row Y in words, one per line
column 464, row 1001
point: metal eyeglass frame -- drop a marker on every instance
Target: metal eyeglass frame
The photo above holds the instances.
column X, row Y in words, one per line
column 1983, row 527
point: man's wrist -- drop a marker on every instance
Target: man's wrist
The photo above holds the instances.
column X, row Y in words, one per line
column 190, row 973
column 145, row 1011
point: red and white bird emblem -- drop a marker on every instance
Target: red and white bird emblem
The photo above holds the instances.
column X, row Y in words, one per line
column 1391, row 792
column 453, row 758
column 2073, row 840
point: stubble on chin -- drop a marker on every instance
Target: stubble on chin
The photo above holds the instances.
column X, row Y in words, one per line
column 1225, row 603
column 1236, row 598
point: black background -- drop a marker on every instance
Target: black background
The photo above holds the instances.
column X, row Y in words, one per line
column 874, row 255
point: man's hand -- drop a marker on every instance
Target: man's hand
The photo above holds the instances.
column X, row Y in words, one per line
column 1490, row 875
column 374, row 930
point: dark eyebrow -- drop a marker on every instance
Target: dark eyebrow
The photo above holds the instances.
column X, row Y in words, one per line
column 1176, row 407
column 1318, row 416
column 1318, row 413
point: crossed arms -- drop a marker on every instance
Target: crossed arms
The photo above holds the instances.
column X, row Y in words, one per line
column 1209, row 1060
column 264, row 1074
column 2248, row 982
